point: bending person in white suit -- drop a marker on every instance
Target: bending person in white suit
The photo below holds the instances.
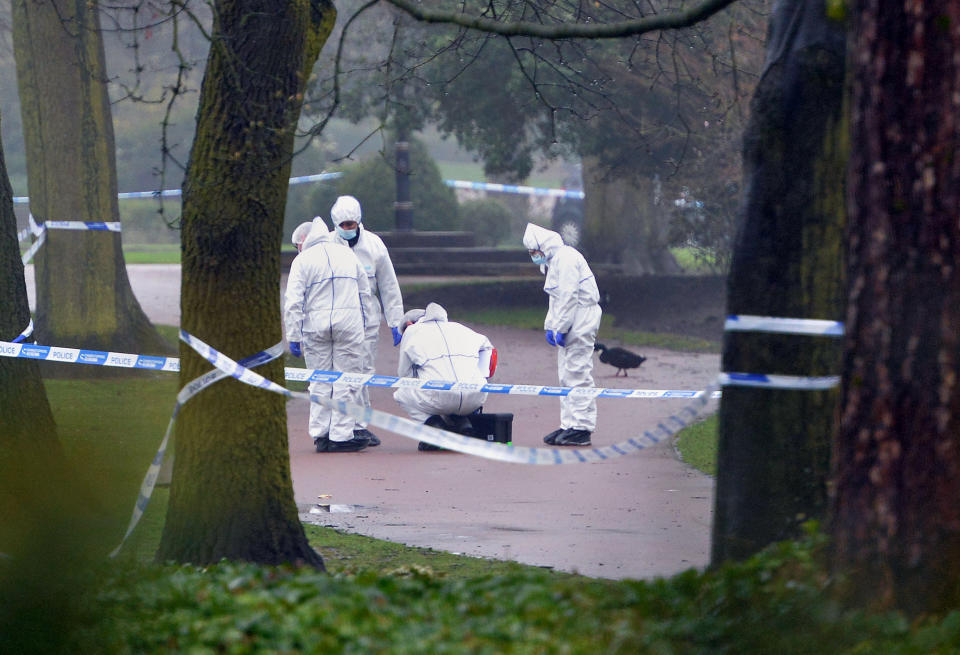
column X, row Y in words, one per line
column 434, row 348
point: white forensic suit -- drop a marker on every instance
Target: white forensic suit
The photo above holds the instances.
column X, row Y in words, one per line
column 372, row 253
column 326, row 305
column 434, row 348
column 574, row 311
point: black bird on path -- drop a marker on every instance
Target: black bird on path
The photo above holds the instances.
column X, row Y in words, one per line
column 619, row 357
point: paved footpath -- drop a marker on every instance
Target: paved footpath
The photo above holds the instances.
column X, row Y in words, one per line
column 640, row 516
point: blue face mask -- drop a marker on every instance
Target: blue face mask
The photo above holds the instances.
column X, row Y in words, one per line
column 539, row 260
column 346, row 234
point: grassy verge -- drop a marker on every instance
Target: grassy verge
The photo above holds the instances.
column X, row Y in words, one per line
column 697, row 445
column 152, row 253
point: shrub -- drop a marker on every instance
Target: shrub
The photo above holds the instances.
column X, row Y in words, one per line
column 489, row 220
column 373, row 183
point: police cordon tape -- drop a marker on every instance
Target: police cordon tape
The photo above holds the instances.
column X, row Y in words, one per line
column 321, row 177
column 803, row 326
column 190, row 390
column 449, row 440
column 27, row 331
column 157, row 363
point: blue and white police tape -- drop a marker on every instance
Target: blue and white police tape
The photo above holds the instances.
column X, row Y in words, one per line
column 513, row 188
column 320, row 177
column 157, row 363
column 91, row 357
column 796, row 383
column 807, row 326
column 32, row 250
column 392, row 382
column 459, row 443
column 40, row 232
column 27, row 331
column 190, row 390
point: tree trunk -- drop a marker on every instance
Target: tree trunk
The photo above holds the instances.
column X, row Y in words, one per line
column 897, row 520
column 774, row 446
column 625, row 220
column 48, row 548
column 231, row 493
column 84, row 297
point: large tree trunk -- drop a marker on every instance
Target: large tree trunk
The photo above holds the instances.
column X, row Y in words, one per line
column 774, row 446
column 84, row 297
column 625, row 220
column 231, row 493
column 897, row 516
column 45, row 549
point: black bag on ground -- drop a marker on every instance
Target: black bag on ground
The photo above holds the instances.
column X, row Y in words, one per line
column 492, row 427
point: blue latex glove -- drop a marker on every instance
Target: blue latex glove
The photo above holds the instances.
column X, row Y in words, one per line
column 295, row 349
column 550, row 338
column 396, row 336
column 561, row 339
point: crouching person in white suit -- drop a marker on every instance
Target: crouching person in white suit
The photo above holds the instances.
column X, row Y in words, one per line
column 326, row 304
column 433, row 348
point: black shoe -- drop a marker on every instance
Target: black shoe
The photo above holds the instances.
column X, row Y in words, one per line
column 572, row 437
column 550, row 438
column 435, row 421
column 372, row 439
column 318, row 443
column 324, row 445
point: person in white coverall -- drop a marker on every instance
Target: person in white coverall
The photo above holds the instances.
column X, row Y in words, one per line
column 571, row 325
column 309, row 233
column 433, row 348
column 347, row 220
column 326, row 304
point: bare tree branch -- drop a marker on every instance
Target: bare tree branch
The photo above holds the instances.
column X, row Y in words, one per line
column 673, row 20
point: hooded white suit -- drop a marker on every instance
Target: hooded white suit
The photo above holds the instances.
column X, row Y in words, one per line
column 434, row 348
column 372, row 253
column 326, row 305
column 574, row 310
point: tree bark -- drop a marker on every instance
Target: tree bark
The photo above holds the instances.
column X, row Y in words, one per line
column 231, row 492
column 897, row 520
column 625, row 220
column 774, row 446
column 84, row 297
column 48, row 548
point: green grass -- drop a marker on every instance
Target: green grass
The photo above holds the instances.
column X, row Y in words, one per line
column 697, row 445
column 532, row 319
column 151, row 253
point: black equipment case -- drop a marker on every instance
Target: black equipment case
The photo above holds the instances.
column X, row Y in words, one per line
column 492, row 427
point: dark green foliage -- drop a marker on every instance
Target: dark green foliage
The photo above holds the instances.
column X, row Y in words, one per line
column 777, row 602
column 373, row 183
column 489, row 220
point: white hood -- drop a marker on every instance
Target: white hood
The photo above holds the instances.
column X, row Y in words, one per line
column 540, row 238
